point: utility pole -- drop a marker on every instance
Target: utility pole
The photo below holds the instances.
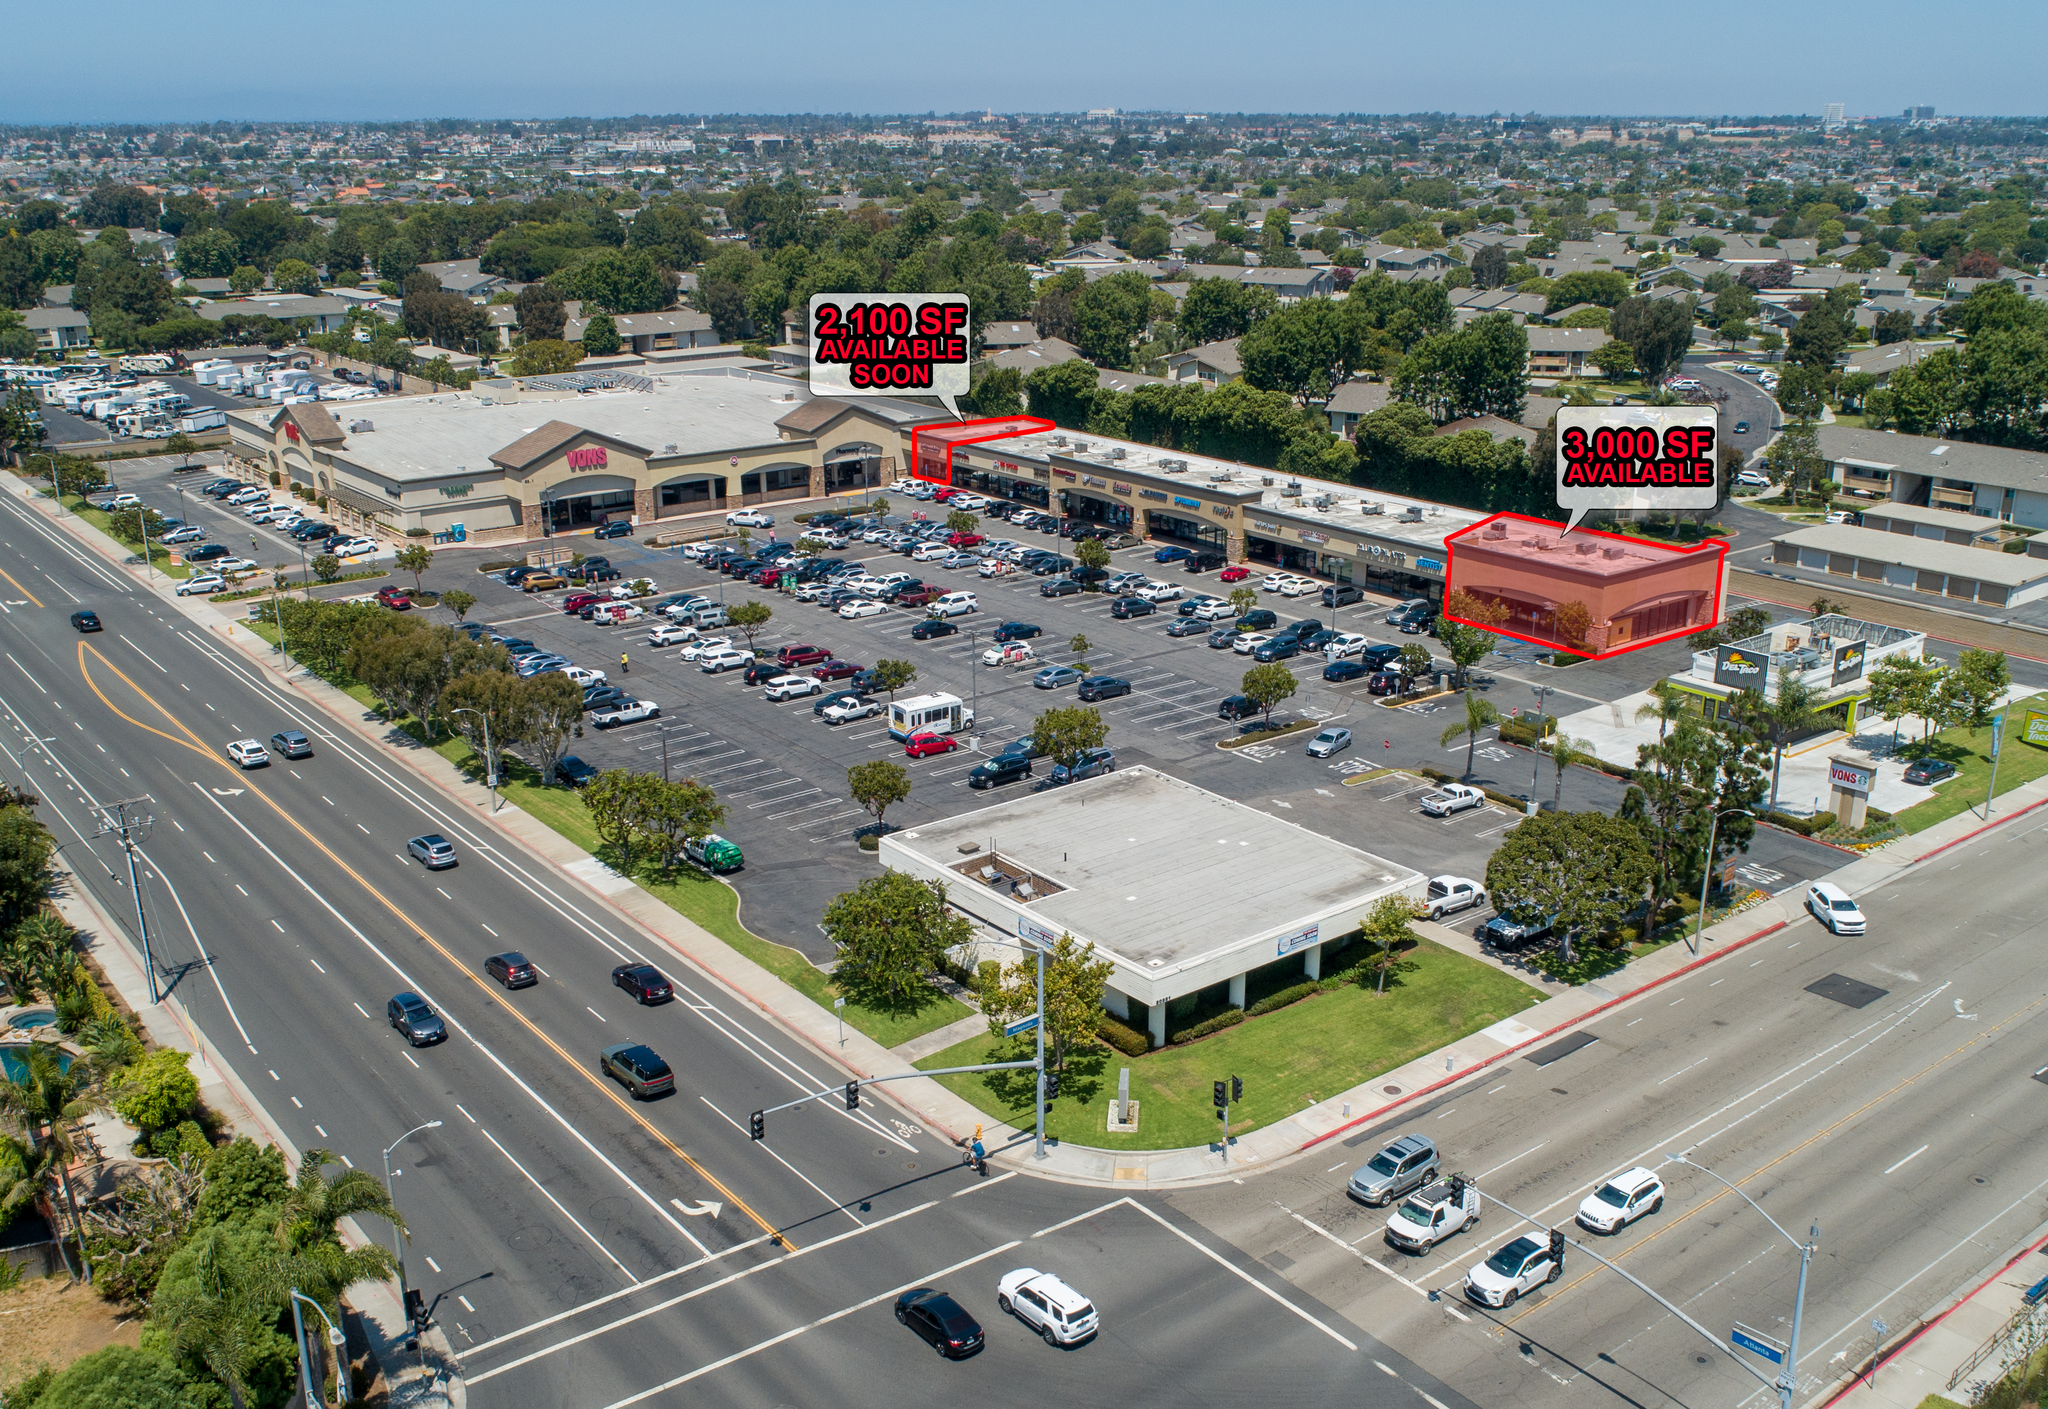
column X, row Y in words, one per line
column 124, row 819
column 1991, row 789
column 1536, row 763
column 1039, row 1153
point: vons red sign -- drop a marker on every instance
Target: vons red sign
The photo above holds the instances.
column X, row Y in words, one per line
column 587, row 457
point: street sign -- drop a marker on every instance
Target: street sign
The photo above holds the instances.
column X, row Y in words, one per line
column 1021, row 1025
column 1757, row 1343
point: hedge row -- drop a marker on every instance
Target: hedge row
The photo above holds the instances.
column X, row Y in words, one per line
column 1127, row 1040
column 1274, row 1001
column 1229, row 1017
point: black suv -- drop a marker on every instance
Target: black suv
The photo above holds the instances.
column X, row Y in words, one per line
column 1103, row 687
column 1238, row 707
column 1257, row 620
column 940, row 1320
column 409, row 1014
column 644, row 982
column 1003, row 768
column 574, row 771
column 1379, row 657
column 1204, row 562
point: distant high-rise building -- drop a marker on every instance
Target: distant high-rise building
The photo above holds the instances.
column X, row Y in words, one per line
column 1919, row 114
column 1831, row 116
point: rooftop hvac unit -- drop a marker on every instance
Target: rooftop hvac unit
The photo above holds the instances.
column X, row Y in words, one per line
column 1059, row 440
column 358, row 427
column 1266, row 480
column 1080, row 447
column 1372, row 508
column 1218, row 476
column 1116, row 452
column 1294, row 488
column 1412, row 514
column 1321, row 501
column 669, row 449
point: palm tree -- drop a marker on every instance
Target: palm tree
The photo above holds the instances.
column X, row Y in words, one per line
column 41, row 1103
column 1667, row 705
column 211, row 1317
column 1792, row 708
column 1564, row 752
column 1480, row 715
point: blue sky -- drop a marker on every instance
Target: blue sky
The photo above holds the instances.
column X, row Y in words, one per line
column 122, row 60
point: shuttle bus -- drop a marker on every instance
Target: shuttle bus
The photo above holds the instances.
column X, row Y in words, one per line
column 929, row 714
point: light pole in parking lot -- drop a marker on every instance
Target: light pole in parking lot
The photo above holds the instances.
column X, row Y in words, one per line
column 491, row 755
column 974, row 677
column 1701, row 926
column 398, row 1238
column 1788, row 1372
column 1536, row 763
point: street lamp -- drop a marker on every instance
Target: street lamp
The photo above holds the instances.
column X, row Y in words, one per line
column 974, row 678
column 1536, row 763
column 334, row 1338
column 56, row 484
column 1788, row 1374
column 491, row 754
column 398, row 1238
column 1039, row 1031
column 1707, row 880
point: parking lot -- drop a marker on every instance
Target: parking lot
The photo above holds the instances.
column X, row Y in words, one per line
column 163, row 485
column 781, row 770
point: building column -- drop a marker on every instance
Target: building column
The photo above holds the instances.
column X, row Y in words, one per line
column 643, row 505
column 1237, row 991
column 1157, row 1023
column 1233, row 544
column 818, row 480
column 1312, row 962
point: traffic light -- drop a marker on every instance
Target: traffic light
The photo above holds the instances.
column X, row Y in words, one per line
column 852, row 1098
column 757, row 1125
column 416, row 1309
column 1052, row 1085
column 1222, row 1095
column 1457, row 1188
column 1236, row 1090
column 1557, row 1247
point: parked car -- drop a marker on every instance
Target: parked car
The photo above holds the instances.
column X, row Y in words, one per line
column 1929, row 771
column 1016, row 631
column 1059, row 587
column 1328, row 742
column 637, row 1068
column 1173, row 553
column 721, row 659
column 1339, row 672
column 1279, row 648
column 1123, row 608
column 433, row 851
column 1092, row 763
column 924, row 745
column 512, row 969
column 932, row 628
column 850, row 707
column 790, row 687
column 1055, row 677
column 714, row 853
column 1407, row 1163
column 1448, row 894
column 1103, row 687
column 1452, row 798
column 624, row 712
column 836, row 670
column 1003, row 768
column 409, row 1014
column 1516, row 930
column 1258, row 620
column 750, row 518
column 1342, row 594
column 644, row 982
column 394, row 598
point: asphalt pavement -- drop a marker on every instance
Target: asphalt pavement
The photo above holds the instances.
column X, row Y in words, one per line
column 285, row 913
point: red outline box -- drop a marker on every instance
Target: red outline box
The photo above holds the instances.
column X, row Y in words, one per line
column 951, row 435
column 1686, row 566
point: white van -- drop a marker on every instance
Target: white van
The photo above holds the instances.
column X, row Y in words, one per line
column 953, row 604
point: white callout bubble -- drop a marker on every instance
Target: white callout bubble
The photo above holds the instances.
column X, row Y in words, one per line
column 1573, row 521
column 890, row 345
column 946, row 400
column 1610, row 473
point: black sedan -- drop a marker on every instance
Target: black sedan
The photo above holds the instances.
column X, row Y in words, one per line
column 1103, row 687
column 931, row 628
column 1123, row 608
column 1015, row 631
column 1003, row 768
column 1059, row 587
column 1929, row 771
column 86, row 621
column 644, row 982
column 942, row 1321
column 1339, row 671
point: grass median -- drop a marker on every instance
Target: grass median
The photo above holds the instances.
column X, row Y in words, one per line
column 1289, row 1059
column 700, row 898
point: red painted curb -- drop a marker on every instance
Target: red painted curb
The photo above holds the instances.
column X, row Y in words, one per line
column 1369, row 1116
column 1927, row 1326
column 2011, row 816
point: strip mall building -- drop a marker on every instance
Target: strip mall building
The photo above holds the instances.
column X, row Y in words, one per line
column 503, row 459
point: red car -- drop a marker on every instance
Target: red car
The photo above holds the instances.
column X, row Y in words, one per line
column 1236, row 572
column 802, row 653
column 924, row 745
column 836, row 670
column 394, row 598
column 574, row 604
column 943, row 493
column 766, row 577
column 962, row 540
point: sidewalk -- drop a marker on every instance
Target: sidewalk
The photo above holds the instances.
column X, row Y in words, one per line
column 950, row 1116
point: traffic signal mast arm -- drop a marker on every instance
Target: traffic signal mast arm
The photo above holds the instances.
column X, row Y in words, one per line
column 758, row 1122
column 1651, row 1293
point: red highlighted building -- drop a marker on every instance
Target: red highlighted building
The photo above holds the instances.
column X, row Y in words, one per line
column 1591, row 593
column 932, row 446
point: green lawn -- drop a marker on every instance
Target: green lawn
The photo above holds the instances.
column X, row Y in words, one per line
column 699, row 897
column 2018, row 762
column 1289, row 1059
column 104, row 522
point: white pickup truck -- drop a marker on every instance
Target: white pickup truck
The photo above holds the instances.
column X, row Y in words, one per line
column 1429, row 1215
column 1452, row 797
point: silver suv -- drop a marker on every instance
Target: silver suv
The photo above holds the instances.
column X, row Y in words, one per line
column 1408, row 1163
